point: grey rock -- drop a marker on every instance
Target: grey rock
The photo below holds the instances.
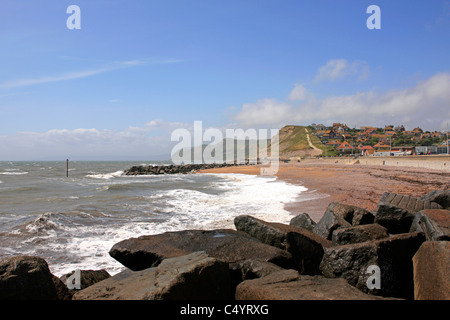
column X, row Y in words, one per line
column 392, row 255
column 259, row 229
column 356, row 234
column 352, row 214
column 29, row 278
column 394, row 214
column 195, row 276
column 87, row 278
column 289, row 285
column 441, row 197
column 303, row 220
column 434, row 223
column 226, row 245
column 432, row 271
column 396, row 211
column 329, row 222
column 305, row 247
column 252, row 269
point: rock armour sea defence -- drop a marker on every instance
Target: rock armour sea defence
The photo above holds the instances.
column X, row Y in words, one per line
column 172, row 169
column 262, row 260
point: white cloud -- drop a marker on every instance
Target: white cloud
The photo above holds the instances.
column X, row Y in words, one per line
column 425, row 104
column 266, row 111
column 150, row 140
column 298, row 93
column 341, row 68
column 78, row 74
column 46, row 79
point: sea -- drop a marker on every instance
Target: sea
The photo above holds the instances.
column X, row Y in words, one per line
column 73, row 221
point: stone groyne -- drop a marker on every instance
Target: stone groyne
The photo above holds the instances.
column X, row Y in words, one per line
column 174, row 169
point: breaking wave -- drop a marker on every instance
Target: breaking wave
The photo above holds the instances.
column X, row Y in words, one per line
column 13, row 173
column 106, row 176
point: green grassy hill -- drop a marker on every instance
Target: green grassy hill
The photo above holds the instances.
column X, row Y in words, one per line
column 294, row 142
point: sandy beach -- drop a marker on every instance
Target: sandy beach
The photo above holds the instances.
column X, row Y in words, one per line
column 356, row 184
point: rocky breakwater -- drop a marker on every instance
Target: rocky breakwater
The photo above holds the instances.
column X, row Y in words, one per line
column 173, row 169
column 399, row 251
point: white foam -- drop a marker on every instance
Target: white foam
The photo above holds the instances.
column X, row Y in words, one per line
column 86, row 246
column 261, row 197
column 92, row 244
column 13, row 173
column 106, row 176
column 91, row 253
column 264, row 197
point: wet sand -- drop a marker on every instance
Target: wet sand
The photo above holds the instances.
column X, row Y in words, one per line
column 355, row 184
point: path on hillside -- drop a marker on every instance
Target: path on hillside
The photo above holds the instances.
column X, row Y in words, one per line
column 316, row 151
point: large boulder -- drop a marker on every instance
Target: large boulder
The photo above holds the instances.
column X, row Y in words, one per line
column 252, row 269
column 352, row 214
column 434, row 223
column 358, row 234
column 390, row 215
column 303, row 220
column 393, row 257
column 305, row 247
column 195, row 276
column 223, row 244
column 396, row 212
column 290, row 285
column 329, row 222
column 86, row 278
column 441, row 197
column 270, row 234
column 432, row 271
column 29, row 278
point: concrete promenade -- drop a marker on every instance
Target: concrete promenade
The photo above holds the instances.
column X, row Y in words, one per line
column 434, row 162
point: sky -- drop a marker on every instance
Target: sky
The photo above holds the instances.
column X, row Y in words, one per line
column 137, row 70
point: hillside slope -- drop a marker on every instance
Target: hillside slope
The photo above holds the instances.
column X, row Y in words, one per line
column 296, row 141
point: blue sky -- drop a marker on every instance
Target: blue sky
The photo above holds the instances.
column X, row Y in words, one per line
column 137, row 70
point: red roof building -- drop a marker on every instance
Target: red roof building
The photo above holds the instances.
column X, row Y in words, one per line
column 345, row 146
column 366, row 150
column 381, row 146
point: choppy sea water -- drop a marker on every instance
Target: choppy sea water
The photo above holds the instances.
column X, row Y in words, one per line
column 72, row 222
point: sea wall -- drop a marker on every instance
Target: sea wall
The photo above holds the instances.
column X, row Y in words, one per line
column 434, row 162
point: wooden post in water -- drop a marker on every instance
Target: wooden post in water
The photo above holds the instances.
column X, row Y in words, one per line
column 67, row 168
